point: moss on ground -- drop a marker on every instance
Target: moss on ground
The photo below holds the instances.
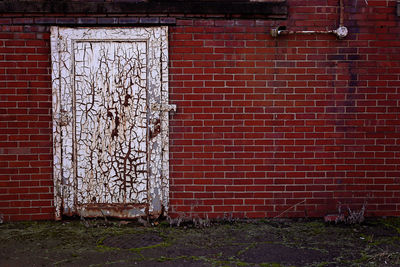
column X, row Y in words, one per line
column 245, row 243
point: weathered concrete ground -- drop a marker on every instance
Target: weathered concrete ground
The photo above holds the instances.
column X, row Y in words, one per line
column 252, row 243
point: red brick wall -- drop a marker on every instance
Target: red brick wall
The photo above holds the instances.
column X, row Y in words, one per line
column 296, row 124
column 26, row 187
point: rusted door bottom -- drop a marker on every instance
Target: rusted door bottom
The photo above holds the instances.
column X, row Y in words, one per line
column 128, row 211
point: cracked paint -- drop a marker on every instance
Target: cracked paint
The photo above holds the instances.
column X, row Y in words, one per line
column 110, row 103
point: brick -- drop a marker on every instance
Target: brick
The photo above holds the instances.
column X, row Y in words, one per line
column 168, row 20
column 45, row 20
column 65, row 20
column 107, row 20
column 149, row 20
column 129, row 20
column 261, row 124
column 86, row 20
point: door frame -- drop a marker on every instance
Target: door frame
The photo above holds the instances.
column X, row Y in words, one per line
column 64, row 168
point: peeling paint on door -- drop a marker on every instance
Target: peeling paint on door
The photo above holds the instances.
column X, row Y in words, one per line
column 110, row 109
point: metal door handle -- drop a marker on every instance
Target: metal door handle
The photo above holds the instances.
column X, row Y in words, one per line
column 164, row 108
column 63, row 118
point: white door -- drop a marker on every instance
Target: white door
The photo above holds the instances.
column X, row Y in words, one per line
column 110, row 126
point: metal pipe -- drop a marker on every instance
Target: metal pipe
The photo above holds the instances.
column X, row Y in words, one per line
column 287, row 32
column 341, row 18
column 340, row 32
